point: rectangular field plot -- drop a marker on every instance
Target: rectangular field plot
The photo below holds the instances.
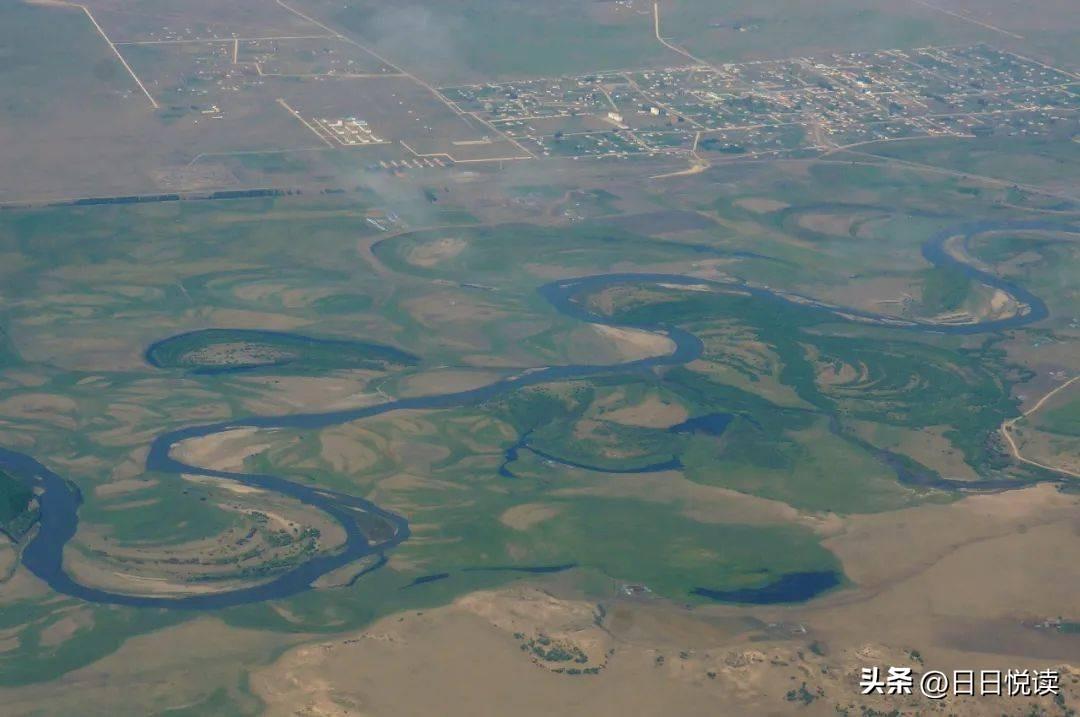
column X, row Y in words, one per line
column 481, row 40
column 189, row 73
column 212, row 104
column 70, row 109
column 170, row 20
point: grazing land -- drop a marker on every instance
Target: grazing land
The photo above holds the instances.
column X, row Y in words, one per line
column 695, row 366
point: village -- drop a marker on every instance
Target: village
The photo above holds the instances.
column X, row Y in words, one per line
column 781, row 106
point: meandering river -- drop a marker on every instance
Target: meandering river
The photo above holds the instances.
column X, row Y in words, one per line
column 60, row 499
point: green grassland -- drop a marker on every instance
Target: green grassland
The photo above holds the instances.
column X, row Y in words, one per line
column 107, row 628
column 489, row 252
column 249, row 284
column 1022, row 160
column 455, row 499
column 167, row 513
column 1063, row 418
column 88, row 289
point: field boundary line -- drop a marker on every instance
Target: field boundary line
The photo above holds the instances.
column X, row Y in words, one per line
column 112, row 46
column 455, row 160
column 670, row 46
column 307, row 124
column 465, row 117
column 211, row 40
column 965, row 18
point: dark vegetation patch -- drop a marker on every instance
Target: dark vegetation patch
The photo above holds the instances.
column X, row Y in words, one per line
column 216, row 351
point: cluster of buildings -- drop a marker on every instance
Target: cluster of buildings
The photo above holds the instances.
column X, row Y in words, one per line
column 349, row 131
column 785, row 105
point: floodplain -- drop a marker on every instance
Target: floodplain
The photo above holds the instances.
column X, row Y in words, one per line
column 642, row 376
